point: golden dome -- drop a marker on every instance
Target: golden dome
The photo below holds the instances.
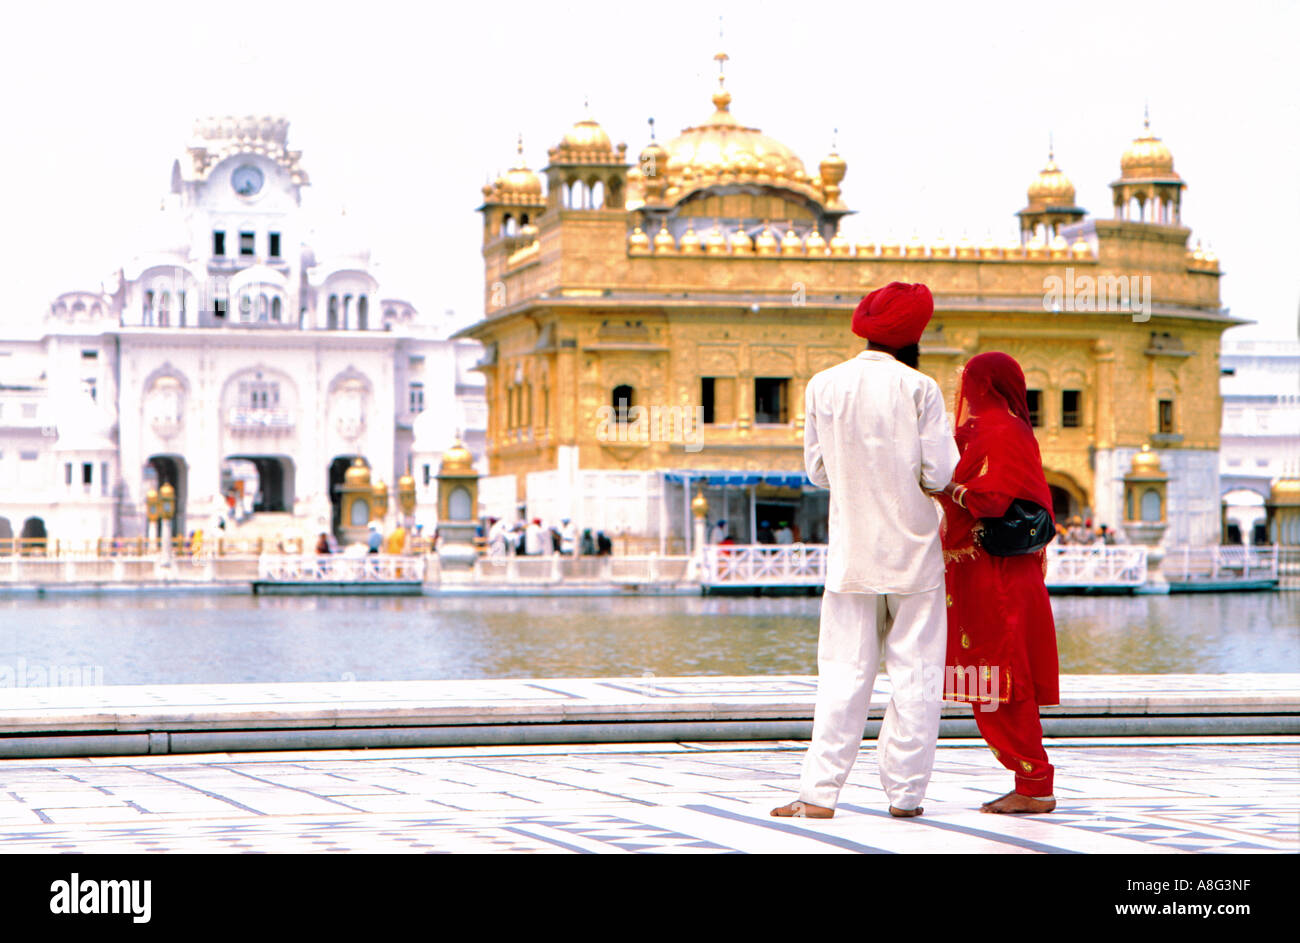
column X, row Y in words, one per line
column 722, row 150
column 939, row 249
column 791, row 244
column 456, row 459
column 1060, row 249
column 715, row 243
column 740, row 241
column 815, row 244
column 766, row 243
column 699, row 506
column 915, row 247
column 690, row 242
column 638, row 241
column 519, row 180
column 840, row 245
column 1081, row 249
column 1147, row 463
column 1147, row 158
column 357, row 475
column 587, row 135
column 1051, row 187
column 406, row 483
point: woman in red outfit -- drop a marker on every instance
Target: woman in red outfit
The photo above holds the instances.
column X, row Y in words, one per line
column 1001, row 636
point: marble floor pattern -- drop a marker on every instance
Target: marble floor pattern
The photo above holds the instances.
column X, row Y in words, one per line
column 1131, row 795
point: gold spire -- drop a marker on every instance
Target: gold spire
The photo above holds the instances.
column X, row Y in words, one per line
column 722, row 97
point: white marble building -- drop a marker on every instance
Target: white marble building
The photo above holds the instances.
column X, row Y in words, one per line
column 229, row 350
column 1260, row 438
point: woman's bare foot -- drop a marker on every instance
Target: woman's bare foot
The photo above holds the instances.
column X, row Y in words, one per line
column 985, row 805
column 803, row 810
column 1015, row 803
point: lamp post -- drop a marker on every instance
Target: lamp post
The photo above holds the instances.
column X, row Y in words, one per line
column 406, row 498
column 700, row 510
column 151, row 510
column 167, row 508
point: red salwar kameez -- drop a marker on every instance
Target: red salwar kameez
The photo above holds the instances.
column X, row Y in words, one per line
column 1002, row 656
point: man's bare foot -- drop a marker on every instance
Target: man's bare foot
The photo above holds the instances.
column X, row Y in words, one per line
column 905, row 813
column 803, row 810
column 985, row 805
column 1014, row 803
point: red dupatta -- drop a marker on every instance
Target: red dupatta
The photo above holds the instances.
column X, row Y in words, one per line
column 999, row 455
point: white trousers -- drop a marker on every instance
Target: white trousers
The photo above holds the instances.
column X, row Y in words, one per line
column 855, row 627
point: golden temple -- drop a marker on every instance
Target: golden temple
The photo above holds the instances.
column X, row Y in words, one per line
column 708, row 279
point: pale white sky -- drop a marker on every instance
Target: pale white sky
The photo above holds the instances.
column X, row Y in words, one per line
column 402, row 110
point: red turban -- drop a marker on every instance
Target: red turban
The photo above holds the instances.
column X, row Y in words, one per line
column 894, row 316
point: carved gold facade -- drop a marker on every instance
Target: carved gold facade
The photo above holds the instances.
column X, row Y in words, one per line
column 719, row 255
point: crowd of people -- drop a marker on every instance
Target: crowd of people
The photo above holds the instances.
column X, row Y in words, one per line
column 532, row 538
column 1080, row 532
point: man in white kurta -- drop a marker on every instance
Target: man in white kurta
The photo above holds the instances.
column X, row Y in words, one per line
column 876, row 434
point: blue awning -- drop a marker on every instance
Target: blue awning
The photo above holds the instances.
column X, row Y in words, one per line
column 732, row 479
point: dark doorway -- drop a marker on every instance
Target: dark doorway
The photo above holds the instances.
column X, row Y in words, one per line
column 168, row 470
column 338, row 468
column 273, row 488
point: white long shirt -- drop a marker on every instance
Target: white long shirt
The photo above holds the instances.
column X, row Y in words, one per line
column 875, row 434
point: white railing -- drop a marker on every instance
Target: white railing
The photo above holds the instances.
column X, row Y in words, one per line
column 554, row 568
column 1220, row 564
column 764, row 565
column 1096, row 566
column 372, row 568
column 155, row 568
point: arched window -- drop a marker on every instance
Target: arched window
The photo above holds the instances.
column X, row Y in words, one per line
column 1151, row 506
column 333, row 322
column 245, row 307
column 597, row 195
column 523, row 220
column 622, row 402
column 146, row 312
column 262, row 307
column 507, row 225
column 164, row 309
column 347, row 312
column 277, row 312
column 363, row 314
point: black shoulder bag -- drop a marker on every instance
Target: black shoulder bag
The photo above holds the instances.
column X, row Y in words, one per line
column 1025, row 528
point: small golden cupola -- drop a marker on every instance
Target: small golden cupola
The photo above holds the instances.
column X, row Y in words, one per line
column 1050, row 204
column 586, row 172
column 652, row 171
column 514, row 200
column 1148, row 190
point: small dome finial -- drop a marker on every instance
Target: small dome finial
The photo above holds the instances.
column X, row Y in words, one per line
column 652, row 129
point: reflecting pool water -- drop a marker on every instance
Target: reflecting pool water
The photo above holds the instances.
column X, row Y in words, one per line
column 172, row 639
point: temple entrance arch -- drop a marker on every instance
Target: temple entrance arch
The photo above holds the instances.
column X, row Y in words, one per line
column 1244, row 516
column 171, row 470
column 1068, row 498
column 262, row 482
